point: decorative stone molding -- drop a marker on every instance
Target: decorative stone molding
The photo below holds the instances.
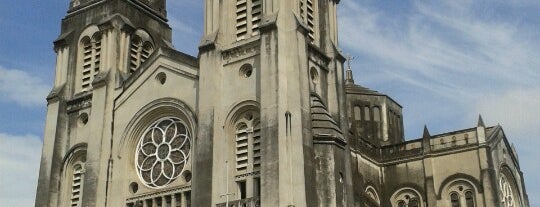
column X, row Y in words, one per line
column 241, row 52
column 250, row 174
column 268, row 22
column 63, row 40
column 55, row 93
column 100, row 79
column 208, row 42
column 115, row 22
column 80, row 101
column 169, row 191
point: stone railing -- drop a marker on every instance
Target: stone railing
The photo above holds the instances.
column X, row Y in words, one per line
column 248, row 202
column 178, row 197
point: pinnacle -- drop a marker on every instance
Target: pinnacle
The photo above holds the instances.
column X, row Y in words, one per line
column 480, row 121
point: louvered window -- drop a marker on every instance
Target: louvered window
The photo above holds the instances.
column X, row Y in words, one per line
column 248, row 145
column 91, row 53
column 76, row 186
column 242, row 148
column 248, row 18
column 307, row 12
column 140, row 50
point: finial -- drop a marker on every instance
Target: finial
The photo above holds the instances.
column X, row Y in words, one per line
column 426, row 134
column 480, row 121
column 349, row 78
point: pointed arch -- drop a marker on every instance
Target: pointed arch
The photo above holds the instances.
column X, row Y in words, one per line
column 73, row 171
column 88, row 58
column 140, row 48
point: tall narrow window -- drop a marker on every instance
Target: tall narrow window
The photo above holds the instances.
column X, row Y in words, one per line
column 413, row 202
column 507, row 193
column 248, row 155
column 248, row 18
column 242, row 147
column 454, row 200
column 242, row 189
column 256, row 15
column 307, row 12
column 141, row 48
column 91, row 55
column 256, row 146
column 469, row 199
column 357, row 113
column 376, row 114
column 76, row 186
column 367, row 116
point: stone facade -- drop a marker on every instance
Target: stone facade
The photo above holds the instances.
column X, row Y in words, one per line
column 266, row 115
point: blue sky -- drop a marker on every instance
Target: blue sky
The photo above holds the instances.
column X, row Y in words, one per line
column 444, row 61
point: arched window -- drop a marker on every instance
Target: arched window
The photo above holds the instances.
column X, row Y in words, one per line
column 141, row 47
column 90, row 52
column 372, row 193
column 367, row 113
column 248, row 144
column 357, row 113
column 454, row 200
column 469, row 199
column 376, row 114
column 413, row 202
column 248, row 154
column 73, row 177
column 460, row 192
column 76, row 185
column 406, row 197
column 509, row 195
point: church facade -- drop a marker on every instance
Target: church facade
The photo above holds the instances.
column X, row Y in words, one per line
column 266, row 115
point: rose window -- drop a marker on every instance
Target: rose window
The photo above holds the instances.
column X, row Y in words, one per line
column 162, row 152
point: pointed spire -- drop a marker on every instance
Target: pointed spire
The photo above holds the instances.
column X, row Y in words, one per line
column 426, row 143
column 349, row 75
column 480, row 121
column 426, row 134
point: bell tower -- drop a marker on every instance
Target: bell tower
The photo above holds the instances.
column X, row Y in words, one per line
column 101, row 45
column 272, row 113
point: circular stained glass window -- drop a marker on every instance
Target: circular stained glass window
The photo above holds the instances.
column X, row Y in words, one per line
column 162, row 152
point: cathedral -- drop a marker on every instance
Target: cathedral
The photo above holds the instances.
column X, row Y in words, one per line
column 266, row 115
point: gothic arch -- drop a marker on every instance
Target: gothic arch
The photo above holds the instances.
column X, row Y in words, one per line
column 237, row 110
column 460, row 192
column 153, row 111
column 88, row 58
column 73, row 176
column 148, row 121
column 407, row 195
column 372, row 193
column 243, row 143
column 460, row 176
column 506, row 175
column 141, row 46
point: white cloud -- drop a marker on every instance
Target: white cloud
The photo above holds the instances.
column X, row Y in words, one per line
column 22, row 88
column 517, row 110
column 443, row 48
column 19, row 166
column 454, row 60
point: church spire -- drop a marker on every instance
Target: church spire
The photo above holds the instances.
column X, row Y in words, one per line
column 349, row 79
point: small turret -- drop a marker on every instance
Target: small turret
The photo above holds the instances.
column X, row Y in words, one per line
column 375, row 117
